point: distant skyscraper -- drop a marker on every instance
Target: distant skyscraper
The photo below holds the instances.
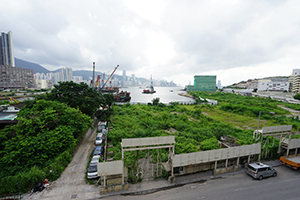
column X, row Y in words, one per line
column 219, row 84
column 133, row 79
column 124, row 77
column 6, row 49
column 67, row 74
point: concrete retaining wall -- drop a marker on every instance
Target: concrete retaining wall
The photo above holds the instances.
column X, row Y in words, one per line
column 227, row 169
column 113, row 188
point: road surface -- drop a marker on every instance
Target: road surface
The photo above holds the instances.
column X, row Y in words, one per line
column 237, row 186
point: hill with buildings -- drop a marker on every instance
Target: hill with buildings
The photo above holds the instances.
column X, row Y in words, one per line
column 86, row 74
column 253, row 82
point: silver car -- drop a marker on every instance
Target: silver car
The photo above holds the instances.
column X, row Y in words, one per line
column 94, row 160
column 259, row 170
column 92, row 172
column 99, row 139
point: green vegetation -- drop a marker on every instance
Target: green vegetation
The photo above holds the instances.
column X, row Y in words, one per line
column 297, row 96
column 49, row 128
column 43, row 141
column 75, row 95
column 196, row 127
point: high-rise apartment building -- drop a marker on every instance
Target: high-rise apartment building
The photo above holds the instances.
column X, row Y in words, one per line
column 12, row 77
column 124, row 78
column 67, row 74
column 6, row 49
column 294, row 80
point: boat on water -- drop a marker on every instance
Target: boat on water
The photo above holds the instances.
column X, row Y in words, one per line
column 122, row 96
column 109, row 89
column 151, row 90
column 171, row 90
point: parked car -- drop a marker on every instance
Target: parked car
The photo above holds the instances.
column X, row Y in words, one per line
column 259, row 170
column 98, row 151
column 101, row 125
column 94, row 160
column 99, row 139
column 92, row 172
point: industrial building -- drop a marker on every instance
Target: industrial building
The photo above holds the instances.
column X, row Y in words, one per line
column 203, row 83
column 15, row 77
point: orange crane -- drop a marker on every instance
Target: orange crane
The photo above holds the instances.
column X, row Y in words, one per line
column 110, row 76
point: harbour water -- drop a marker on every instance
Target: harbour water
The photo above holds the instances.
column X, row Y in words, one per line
column 165, row 94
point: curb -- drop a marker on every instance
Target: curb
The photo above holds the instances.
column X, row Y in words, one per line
column 153, row 190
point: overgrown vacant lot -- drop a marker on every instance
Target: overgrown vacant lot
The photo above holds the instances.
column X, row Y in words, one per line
column 198, row 127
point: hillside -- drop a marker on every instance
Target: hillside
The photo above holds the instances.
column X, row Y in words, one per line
column 251, row 80
column 30, row 65
column 86, row 74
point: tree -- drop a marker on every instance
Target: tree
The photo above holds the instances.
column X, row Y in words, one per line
column 109, row 99
column 297, row 96
column 43, row 132
column 80, row 96
column 155, row 101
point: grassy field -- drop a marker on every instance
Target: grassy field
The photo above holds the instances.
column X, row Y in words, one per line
column 196, row 127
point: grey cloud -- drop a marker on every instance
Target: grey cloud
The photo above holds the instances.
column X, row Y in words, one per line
column 206, row 35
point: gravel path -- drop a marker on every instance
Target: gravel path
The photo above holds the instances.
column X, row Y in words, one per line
column 71, row 184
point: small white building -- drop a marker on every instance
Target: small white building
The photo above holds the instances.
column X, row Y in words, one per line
column 212, row 102
column 276, row 86
column 41, row 84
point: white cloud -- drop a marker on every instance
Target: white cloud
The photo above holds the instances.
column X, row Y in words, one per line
column 172, row 40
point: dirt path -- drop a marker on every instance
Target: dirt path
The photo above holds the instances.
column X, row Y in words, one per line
column 292, row 111
column 71, row 184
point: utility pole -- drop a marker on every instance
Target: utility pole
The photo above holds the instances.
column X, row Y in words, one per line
column 105, row 155
column 93, row 74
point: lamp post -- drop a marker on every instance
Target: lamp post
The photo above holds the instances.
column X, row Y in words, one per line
column 259, row 118
column 258, row 128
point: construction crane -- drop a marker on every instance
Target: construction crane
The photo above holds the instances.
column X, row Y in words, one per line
column 13, row 100
column 97, row 83
column 110, row 76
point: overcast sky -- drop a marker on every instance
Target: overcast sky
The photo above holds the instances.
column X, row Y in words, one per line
column 170, row 39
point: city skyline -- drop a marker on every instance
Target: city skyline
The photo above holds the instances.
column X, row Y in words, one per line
column 55, row 77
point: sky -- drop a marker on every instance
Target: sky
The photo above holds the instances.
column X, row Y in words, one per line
column 168, row 39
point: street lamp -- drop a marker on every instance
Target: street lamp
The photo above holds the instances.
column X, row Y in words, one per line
column 259, row 118
column 258, row 128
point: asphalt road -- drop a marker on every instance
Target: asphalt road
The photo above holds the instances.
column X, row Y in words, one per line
column 237, row 186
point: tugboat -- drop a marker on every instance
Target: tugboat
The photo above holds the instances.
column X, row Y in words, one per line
column 151, row 91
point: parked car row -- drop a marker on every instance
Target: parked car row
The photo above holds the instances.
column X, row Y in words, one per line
column 97, row 154
column 98, row 151
column 102, row 130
